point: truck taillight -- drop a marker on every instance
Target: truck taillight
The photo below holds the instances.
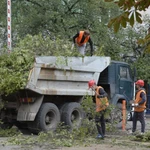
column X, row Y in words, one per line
column 27, row 100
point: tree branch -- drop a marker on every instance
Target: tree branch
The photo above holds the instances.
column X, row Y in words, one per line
column 70, row 7
column 34, row 2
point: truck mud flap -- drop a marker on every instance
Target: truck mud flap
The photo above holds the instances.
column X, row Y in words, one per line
column 27, row 112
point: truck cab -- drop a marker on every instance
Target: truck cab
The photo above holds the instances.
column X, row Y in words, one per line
column 118, row 82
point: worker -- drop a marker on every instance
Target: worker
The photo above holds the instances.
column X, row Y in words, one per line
column 102, row 103
column 80, row 39
column 139, row 106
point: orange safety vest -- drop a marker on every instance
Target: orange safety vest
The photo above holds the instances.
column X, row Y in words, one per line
column 79, row 38
column 141, row 107
column 101, row 103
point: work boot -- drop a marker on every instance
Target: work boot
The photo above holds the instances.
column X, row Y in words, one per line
column 131, row 133
column 99, row 136
column 142, row 133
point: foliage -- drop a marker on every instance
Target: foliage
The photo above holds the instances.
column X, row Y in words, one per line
column 14, row 69
column 142, row 67
column 15, row 66
column 9, row 132
column 145, row 43
column 44, row 46
column 130, row 12
column 77, row 137
column 61, row 137
column 141, row 137
column 89, row 107
column 61, row 19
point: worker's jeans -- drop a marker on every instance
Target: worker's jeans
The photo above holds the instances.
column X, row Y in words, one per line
column 138, row 116
column 81, row 49
column 100, row 123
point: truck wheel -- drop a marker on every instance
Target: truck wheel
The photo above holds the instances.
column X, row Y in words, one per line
column 72, row 115
column 47, row 119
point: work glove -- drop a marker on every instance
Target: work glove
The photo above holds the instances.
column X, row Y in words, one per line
column 72, row 47
column 100, row 96
column 135, row 105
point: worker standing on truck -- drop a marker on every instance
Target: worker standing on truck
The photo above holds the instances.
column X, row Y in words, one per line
column 102, row 103
column 80, row 39
column 139, row 106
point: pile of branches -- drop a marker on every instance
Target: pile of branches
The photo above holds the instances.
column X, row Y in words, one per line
column 14, row 70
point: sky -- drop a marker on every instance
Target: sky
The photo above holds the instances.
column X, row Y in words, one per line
column 147, row 11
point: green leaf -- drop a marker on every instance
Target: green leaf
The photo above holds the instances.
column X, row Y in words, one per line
column 140, row 41
column 123, row 22
column 111, row 22
column 116, row 26
column 138, row 17
column 121, row 3
column 131, row 20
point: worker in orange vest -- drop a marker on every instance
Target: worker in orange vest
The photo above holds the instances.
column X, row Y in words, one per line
column 139, row 106
column 102, row 103
column 80, row 39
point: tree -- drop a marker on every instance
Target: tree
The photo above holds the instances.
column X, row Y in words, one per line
column 62, row 19
column 130, row 12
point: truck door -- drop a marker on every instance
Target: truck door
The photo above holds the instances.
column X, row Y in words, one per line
column 126, row 85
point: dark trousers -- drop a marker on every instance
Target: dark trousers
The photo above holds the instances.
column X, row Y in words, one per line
column 138, row 116
column 100, row 123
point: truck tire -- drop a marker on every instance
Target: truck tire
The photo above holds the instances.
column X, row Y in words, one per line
column 47, row 119
column 72, row 115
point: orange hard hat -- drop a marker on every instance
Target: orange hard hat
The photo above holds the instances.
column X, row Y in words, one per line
column 140, row 82
column 91, row 83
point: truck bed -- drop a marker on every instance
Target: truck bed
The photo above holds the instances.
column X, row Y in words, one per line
column 65, row 75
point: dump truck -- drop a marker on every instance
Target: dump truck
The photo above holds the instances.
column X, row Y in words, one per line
column 56, row 87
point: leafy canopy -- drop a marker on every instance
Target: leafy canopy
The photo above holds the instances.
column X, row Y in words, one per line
column 130, row 12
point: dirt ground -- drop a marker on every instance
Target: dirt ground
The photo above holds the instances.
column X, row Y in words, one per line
column 121, row 140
